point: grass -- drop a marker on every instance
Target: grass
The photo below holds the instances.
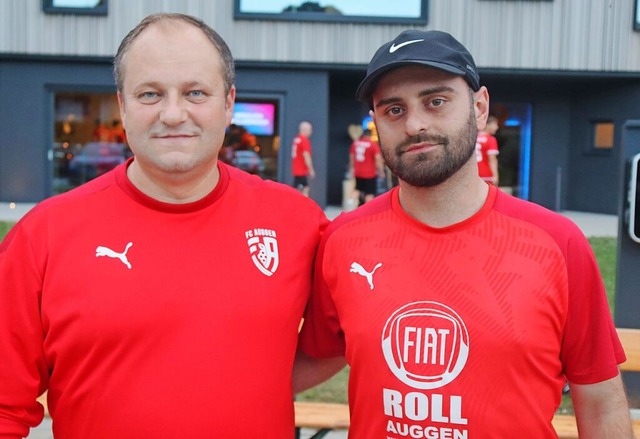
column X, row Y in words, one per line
column 4, row 228
column 335, row 389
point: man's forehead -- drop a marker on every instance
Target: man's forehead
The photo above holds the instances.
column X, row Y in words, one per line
column 417, row 77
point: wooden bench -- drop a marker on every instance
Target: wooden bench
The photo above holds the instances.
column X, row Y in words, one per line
column 565, row 424
column 322, row 417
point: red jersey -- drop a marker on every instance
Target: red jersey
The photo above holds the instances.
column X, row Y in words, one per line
column 462, row 331
column 364, row 152
column 486, row 145
column 152, row 320
column 300, row 145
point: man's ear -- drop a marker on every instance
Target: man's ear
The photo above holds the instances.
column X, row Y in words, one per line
column 229, row 101
column 481, row 107
column 121, row 107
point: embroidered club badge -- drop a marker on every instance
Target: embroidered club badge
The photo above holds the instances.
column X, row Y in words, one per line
column 263, row 247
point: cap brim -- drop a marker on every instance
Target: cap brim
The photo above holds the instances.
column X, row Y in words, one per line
column 365, row 89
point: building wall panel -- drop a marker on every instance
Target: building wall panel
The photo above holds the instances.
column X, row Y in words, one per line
column 591, row 35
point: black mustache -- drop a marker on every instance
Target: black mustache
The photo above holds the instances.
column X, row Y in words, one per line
column 422, row 138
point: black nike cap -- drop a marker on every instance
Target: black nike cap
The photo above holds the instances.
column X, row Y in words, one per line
column 431, row 48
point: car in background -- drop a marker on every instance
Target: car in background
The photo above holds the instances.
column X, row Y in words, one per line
column 249, row 161
column 96, row 158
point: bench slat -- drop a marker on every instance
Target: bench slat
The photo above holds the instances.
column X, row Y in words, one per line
column 630, row 339
column 321, row 415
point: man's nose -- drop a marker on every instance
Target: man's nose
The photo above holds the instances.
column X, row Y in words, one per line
column 416, row 122
column 174, row 110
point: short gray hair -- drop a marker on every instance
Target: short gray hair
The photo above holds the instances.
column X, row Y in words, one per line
column 229, row 74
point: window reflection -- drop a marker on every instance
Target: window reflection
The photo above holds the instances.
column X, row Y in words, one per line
column 89, row 139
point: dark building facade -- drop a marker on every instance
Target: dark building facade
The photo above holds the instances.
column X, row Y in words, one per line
column 561, row 108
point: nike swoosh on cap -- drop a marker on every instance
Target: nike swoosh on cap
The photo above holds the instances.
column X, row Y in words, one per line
column 393, row 47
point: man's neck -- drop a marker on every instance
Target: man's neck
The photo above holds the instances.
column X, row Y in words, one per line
column 451, row 202
column 175, row 188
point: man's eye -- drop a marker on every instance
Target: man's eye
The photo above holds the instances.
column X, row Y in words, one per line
column 148, row 95
column 394, row 111
column 437, row 102
column 196, row 93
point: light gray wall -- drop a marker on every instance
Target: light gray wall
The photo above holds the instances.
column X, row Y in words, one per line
column 594, row 35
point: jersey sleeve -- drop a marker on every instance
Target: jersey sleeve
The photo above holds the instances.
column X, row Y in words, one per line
column 23, row 370
column 321, row 335
column 591, row 349
column 307, row 145
column 492, row 146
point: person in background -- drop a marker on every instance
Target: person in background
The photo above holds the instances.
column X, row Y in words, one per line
column 460, row 309
column 117, row 133
column 100, row 132
column 163, row 298
column 366, row 166
column 301, row 158
column 487, row 151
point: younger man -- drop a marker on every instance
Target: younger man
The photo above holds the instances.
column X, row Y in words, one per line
column 460, row 309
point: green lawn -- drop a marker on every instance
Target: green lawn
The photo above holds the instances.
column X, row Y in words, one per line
column 335, row 389
column 4, row 228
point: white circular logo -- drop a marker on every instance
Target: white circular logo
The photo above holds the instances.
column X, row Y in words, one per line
column 425, row 344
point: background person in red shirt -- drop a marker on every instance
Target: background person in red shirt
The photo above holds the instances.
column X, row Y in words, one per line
column 365, row 165
column 301, row 158
column 487, row 151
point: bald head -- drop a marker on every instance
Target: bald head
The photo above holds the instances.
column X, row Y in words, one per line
column 305, row 128
column 228, row 67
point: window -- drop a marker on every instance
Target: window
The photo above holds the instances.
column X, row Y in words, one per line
column 88, row 138
column 636, row 21
column 406, row 11
column 603, row 136
column 252, row 142
column 78, row 7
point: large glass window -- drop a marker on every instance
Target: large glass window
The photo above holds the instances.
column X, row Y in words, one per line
column 88, row 138
column 405, row 11
column 79, row 7
column 252, row 142
column 514, row 142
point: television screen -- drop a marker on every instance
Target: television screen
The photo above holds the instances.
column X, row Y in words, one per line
column 257, row 118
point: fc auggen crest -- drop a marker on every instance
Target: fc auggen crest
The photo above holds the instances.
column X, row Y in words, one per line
column 263, row 250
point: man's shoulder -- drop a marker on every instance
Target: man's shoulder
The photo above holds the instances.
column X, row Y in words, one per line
column 364, row 217
column 559, row 227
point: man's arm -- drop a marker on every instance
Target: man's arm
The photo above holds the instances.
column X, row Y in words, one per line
column 351, row 170
column 308, row 372
column 309, row 162
column 602, row 411
column 493, row 165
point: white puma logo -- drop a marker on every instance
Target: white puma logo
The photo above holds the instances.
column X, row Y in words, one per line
column 105, row 251
column 357, row 268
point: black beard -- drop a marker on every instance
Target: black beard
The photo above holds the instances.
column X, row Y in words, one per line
column 433, row 167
